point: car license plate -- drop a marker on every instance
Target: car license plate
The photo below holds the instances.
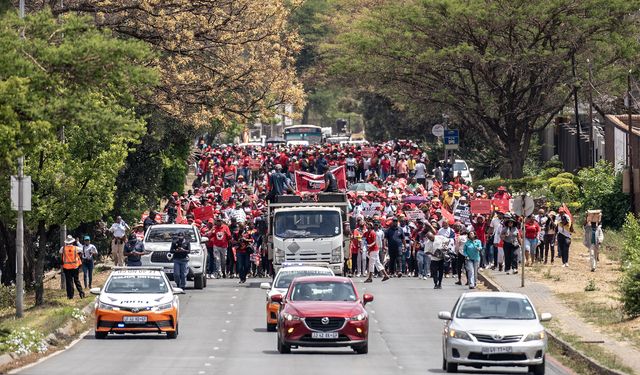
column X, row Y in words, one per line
column 324, row 335
column 168, row 270
column 496, row 349
column 134, row 319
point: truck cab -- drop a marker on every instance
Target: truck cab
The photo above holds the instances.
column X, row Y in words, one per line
column 310, row 232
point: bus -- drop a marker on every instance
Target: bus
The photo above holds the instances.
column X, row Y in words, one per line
column 310, row 133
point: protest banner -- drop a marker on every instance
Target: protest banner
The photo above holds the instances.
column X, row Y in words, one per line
column 203, row 213
column 255, row 164
column 313, row 183
column 502, row 205
column 481, row 206
column 414, row 215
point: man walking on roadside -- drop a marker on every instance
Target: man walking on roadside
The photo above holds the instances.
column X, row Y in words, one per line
column 71, row 263
column 221, row 237
column 374, row 255
column 119, row 231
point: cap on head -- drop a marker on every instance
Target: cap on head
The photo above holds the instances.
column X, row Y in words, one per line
column 87, row 238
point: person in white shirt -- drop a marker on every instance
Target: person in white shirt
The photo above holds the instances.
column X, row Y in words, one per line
column 88, row 252
column 119, row 231
column 497, row 251
column 421, row 173
column 380, row 240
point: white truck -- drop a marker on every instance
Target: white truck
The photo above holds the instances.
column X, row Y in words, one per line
column 309, row 232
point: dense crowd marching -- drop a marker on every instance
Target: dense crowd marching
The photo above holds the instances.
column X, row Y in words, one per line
column 412, row 218
column 417, row 216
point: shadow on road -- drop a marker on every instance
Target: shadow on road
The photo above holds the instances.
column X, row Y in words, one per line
column 261, row 330
column 466, row 370
column 311, row 352
column 130, row 337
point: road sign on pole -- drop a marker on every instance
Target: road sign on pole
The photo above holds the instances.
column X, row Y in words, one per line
column 437, row 130
column 451, row 139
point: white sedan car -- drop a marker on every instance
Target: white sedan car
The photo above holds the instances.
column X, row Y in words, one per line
column 494, row 329
column 280, row 285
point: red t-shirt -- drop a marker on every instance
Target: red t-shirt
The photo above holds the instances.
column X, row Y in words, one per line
column 220, row 236
column 370, row 236
column 531, row 230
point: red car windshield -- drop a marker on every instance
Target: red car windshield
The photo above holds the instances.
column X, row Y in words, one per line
column 323, row 291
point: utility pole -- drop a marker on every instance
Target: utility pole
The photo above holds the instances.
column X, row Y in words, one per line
column 446, row 124
column 575, row 102
column 20, row 242
column 629, row 145
column 592, row 146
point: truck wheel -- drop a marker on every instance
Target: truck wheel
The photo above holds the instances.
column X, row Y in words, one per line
column 198, row 281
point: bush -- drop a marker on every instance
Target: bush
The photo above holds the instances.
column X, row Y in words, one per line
column 602, row 189
column 7, row 297
column 24, row 341
column 630, row 284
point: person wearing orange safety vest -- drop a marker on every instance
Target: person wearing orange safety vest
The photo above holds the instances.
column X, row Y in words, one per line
column 71, row 263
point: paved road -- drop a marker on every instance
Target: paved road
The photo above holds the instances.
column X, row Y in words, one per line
column 222, row 331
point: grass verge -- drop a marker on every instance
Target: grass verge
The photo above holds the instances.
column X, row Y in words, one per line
column 591, row 350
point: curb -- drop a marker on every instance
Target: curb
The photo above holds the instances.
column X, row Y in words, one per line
column 54, row 339
column 566, row 348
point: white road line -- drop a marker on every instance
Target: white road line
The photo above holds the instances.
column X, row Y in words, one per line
column 227, row 321
column 224, row 331
column 215, row 348
column 207, row 364
column 219, row 340
column 212, row 357
column 229, row 313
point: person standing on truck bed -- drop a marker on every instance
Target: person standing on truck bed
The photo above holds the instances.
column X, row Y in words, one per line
column 277, row 184
column 330, row 182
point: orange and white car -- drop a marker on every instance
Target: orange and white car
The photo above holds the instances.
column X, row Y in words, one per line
column 281, row 283
column 137, row 300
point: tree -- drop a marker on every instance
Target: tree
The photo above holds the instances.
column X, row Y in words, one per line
column 224, row 60
column 502, row 68
column 66, row 78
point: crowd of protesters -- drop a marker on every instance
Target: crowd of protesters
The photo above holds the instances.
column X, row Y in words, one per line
column 416, row 220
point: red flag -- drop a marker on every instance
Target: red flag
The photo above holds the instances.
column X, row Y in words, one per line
column 203, row 213
column 448, row 216
column 180, row 219
column 226, row 194
column 313, row 183
column 437, row 186
column 566, row 209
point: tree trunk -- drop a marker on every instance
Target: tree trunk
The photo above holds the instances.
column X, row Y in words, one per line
column 8, row 243
column 305, row 114
column 39, row 266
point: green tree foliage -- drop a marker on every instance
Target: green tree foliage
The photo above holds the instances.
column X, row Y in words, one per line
column 502, row 68
column 630, row 284
column 601, row 188
column 65, row 77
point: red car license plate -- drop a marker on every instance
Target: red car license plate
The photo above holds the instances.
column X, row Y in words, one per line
column 324, row 335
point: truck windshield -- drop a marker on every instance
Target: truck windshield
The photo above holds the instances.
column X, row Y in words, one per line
column 166, row 234
column 307, row 224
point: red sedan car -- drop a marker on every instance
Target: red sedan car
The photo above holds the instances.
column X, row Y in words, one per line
column 323, row 311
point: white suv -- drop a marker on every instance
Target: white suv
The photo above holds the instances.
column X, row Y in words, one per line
column 157, row 243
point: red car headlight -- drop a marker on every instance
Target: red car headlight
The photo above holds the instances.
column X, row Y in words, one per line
column 358, row 318
column 290, row 317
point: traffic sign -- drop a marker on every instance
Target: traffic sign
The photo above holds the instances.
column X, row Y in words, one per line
column 523, row 207
column 437, row 130
column 451, row 139
column 26, row 193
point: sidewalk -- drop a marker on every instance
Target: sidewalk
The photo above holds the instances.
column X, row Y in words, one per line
column 545, row 301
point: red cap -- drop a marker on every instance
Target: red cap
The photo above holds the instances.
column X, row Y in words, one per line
column 175, row 194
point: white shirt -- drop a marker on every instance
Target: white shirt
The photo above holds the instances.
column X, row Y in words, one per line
column 88, row 251
column 119, row 229
column 421, row 170
column 380, row 238
column 240, row 215
column 496, row 224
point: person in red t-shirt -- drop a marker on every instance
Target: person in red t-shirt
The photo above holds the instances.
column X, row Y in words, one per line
column 531, row 232
column 219, row 237
column 374, row 254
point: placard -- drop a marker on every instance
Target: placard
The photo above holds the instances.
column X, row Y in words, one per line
column 255, row 165
column 414, row 215
column 481, row 206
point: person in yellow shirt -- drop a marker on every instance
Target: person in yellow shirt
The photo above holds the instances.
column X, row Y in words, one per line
column 411, row 165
